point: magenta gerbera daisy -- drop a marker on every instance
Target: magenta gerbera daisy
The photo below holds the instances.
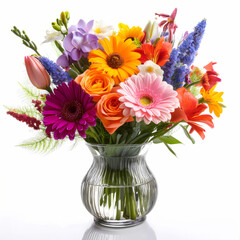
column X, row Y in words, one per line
column 68, row 109
column 148, row 98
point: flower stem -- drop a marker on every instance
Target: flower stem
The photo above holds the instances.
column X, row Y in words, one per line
column 192, row 84
column 158, row 134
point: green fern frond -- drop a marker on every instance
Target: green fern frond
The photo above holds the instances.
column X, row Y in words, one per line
column 42, row 144
column 31, row 93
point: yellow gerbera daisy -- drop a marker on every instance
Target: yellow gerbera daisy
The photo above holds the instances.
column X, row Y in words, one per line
column 125, row 32
column 212, row 98
column 117, row 58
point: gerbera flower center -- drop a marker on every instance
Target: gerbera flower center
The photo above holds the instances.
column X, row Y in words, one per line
column 146, row 100
column 72, row 111
column 132, row 38
column 114, row 60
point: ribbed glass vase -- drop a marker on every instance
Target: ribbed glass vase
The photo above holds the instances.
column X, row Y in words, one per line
column 119, row 189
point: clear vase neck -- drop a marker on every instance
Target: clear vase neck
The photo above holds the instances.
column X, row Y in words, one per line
column 118, row 150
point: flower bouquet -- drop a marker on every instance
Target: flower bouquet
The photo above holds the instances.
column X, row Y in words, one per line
column 118, row 89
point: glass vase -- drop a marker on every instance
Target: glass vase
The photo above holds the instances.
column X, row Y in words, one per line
column 119, row 190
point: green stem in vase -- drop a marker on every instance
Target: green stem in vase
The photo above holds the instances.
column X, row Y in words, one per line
column 132, row 203
column 140, row 199
column 118, row 215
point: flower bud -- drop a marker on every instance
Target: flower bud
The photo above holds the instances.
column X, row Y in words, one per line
column 63, row 18
column 37, row 74
column 147, row 30
column 56, row 26
column 67, row 15
column 59, row 22
column 151, row 31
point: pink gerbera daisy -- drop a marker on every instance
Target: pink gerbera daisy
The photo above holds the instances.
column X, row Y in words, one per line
column 148, row 98
column 67, row 110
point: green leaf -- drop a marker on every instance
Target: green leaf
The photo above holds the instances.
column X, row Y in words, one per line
column 170, row 149
column 167, row 140
column 187, row 133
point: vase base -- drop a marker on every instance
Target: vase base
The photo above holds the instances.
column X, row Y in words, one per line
column 119, row 223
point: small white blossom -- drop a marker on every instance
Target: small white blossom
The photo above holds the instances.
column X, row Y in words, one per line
column 150, row 67
column 101, row 30
column 52, row 35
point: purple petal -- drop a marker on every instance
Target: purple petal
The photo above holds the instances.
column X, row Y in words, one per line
column 76, row 54
column 55, row 106
column 90, row 119
column 72, row 28
column 89, row 106
column 62, row 124
column 50, row 119
column 63, row 61
column 67, row 42
column 82, row 122
column 81, row 24
column 51, row 112
column 70, row 126
column 93, row 124
column 90, row 25
column 66, row 91
column 77, row 91
column 77, row 40
column 79, row 128
column 86, row 48
column 82, row 134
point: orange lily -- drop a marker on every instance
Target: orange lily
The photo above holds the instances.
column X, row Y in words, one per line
column 159, row 54
column 190, row 111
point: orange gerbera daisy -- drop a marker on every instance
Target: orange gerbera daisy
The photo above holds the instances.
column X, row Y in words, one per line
column 125, row 32
column 159, row 54
column 190, row 111
column 118, row 58
column 212, row 98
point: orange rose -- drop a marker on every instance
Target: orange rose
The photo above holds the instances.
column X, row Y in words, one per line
column 110, row 114
column 95, row 83
column 79, row 78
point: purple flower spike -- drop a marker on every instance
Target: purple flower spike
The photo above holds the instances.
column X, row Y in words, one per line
column 67, row 110
column 78, row 43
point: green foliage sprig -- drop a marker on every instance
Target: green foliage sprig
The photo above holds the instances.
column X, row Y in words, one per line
column 42, row 143
column 25, row 39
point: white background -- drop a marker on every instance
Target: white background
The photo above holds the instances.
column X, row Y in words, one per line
column 199, row 192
